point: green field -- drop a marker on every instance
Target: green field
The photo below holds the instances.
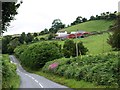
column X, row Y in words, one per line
column 96, row 25
column 96, row 44
column 43, row 36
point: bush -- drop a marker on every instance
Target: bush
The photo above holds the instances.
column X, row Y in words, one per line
column 10, row 79
column 36, row 55
column 19, row 50
column 100, row 69
column 69, row 49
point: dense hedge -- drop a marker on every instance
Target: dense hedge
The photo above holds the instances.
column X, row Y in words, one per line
column 36, row 55
column 10, row 79
column 101, row 69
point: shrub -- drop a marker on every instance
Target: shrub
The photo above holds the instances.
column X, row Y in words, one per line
column 20, row 49
column 36, row 55
column 102, row 69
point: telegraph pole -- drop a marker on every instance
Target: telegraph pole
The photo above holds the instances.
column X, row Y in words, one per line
column 76, row 45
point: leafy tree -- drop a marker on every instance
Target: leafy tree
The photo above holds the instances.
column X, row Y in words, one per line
column 51, row 36
column 92, row 18
column 69, row 48
column 113, row 16
column 9, row 10
column 5, row 41
column 22, row 38
column 42, row 39
column 20, row 49
column 12, row 45
column 46, row 31
column 56, row 25
column 36, row 39
column 35, row 34
column 114, row 39
column 29, row 38
column 78, row 20
column 84, row 19
column 41, row 33
column 81, row 49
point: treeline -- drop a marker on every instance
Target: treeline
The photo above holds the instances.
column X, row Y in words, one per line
column 9, row 43
column 57, row 23
column 103, row 16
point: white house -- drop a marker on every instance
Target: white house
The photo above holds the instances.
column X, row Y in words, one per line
column 61, row 33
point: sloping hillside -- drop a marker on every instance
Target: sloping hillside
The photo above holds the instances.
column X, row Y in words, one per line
column 96, row 25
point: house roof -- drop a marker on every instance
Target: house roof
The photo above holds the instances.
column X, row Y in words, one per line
column 62, row 30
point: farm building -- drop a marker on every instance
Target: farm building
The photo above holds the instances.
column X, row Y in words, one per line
column 64, row 35
column 61, row 33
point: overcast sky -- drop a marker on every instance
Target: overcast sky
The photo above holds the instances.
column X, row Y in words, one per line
column 36, row 15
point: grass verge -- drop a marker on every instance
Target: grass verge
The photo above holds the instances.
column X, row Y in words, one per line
column 71, row 83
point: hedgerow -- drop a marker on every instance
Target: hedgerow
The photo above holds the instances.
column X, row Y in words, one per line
column 34, row 56
column 99, row 69
column 10, row 79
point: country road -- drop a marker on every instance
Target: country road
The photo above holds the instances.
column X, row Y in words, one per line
column 29, row 80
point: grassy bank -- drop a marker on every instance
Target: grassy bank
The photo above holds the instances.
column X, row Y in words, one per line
column 95, row 25
column 71, row 83
column 98, row 69
column 10, row 79
column 96, row 44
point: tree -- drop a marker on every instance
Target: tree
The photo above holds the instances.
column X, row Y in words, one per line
column 84, row 19
column 114, row 39
column 29, row 38
column 41, row 33
column 5, row 41
column 9, row 10
column 35, row 34
column 69, row 48
column 92, row 18
column 51, row 36
column 12, row 45
column 81, row 49
column 46, row 31
column 36, row 39
column 77, row 21
column 22, row 38
column 56, row 25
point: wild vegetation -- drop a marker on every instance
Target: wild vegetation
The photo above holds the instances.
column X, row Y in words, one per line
column 59, row 57
column 10, row 79
column 114, row 38
column 36, row 55
column 101, row 69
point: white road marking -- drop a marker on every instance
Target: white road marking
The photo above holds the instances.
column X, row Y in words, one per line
column 26, row 74
column 33, row 78
column 40, row 85
column 36, row 81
